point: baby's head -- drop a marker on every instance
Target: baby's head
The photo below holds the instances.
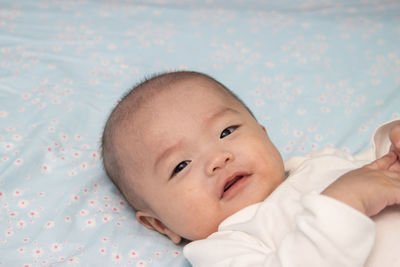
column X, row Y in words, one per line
column 187, row 153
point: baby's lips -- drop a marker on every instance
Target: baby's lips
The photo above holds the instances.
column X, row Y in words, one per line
column 231, row 180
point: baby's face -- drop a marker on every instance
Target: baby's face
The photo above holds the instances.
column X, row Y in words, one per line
column 202, row 158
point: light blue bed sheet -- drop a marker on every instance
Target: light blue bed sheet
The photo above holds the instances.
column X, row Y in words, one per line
column 314, row 72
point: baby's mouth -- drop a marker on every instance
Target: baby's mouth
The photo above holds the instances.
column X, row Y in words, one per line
column 231, row 182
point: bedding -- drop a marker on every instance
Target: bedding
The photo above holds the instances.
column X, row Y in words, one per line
column 315, row 73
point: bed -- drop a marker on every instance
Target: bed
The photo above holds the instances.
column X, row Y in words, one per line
column 315, row 73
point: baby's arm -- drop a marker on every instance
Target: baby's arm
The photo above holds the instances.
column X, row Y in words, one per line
column 371, row 188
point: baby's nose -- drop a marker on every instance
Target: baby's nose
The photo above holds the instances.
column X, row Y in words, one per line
column 218, row 162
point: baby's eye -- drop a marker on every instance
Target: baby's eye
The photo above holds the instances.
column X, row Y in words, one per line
column 228, row 131
column 180, row 167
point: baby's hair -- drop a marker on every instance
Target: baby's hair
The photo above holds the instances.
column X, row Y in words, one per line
column 121, row 117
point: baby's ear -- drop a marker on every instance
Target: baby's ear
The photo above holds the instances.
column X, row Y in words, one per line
column 152, row 223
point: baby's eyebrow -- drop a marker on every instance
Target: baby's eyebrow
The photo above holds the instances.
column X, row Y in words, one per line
column 167, row 152
column 220, row 113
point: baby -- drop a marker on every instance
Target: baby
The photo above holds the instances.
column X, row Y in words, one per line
column 193, row 161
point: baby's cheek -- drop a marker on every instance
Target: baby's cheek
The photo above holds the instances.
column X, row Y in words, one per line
column 200, row 220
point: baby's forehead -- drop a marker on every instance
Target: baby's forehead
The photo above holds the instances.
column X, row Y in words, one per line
column 171, row 104
column 163, row 100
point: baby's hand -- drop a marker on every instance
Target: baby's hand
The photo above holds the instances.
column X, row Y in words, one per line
column 395, row 147
column 369, row 189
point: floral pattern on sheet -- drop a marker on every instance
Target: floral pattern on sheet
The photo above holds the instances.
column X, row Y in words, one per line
column 315, row 73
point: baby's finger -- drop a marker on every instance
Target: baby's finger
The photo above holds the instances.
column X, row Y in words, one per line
column 395, row 138
column 383, row 163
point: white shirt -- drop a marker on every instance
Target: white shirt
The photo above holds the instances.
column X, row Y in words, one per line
column 296, row 226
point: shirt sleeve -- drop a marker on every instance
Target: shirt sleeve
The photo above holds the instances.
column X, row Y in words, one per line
column 381, row 141
column 326, row 233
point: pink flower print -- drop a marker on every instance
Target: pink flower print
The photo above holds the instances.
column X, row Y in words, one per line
column 68, row 219
column 17, row 137
column 102, row 251
column 111, row 46
column 140, row 264
column 107, row 218
column 85, row 146
column 49, row 224
column 46, row 168
column 18, row 162
column 23, row 203
column 260, row 103
column 22, row 250
column 84, row 166
column 83, row 212
column 318, row 137
column 91, row 222
column 325, row 109
column 133, row 254
column 56, row 247
column 37, row 252
column 33, row 214
column 314, row 146
column 64, row 137
column 311, row 129
column 363, row 128
column 21, row 224
column 75, row 198
column 9, row 233
column 301, row 111
column 298, row 133
column 116, row 257
column 17, row 193
column 3, row 114
column 73, row 260
column 9, row 146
